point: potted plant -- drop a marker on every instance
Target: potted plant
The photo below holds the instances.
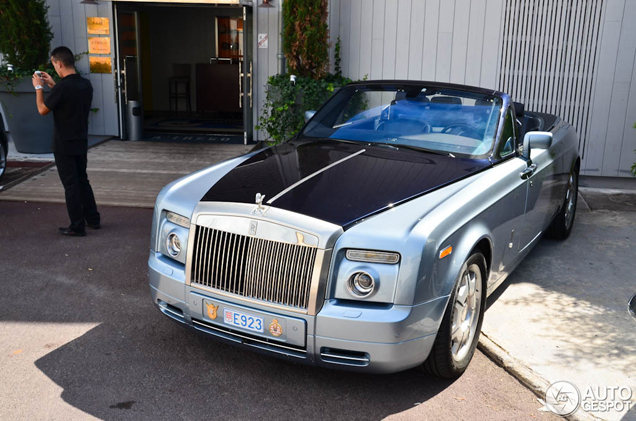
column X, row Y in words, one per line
column 309, row 84
column 25, row 37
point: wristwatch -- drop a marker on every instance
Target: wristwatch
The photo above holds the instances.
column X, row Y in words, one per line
column 38, row 87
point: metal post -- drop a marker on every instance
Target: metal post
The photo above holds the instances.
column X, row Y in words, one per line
column 280, row 56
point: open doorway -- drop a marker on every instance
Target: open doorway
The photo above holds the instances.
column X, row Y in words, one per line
column 185, row 72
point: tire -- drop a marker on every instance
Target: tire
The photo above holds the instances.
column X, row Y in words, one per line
column 561, row 226
column 451, row 354
column 3, row 158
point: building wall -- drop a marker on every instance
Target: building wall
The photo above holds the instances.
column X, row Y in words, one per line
column 438, row 40
column 610, row 151
column 461, row 41
column 265, row 59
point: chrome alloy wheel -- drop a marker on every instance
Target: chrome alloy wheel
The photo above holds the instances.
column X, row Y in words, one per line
column 570, row 201
column 466, row 310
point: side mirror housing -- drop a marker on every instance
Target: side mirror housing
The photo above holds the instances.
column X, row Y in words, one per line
column 539, row 140
column 309, row 115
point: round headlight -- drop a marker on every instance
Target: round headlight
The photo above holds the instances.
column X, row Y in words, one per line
column 173, row 244
column 361, row 284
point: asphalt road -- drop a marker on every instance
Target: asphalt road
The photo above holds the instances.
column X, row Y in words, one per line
column 80, row 338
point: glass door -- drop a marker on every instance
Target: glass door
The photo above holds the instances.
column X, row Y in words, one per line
column 128, row 71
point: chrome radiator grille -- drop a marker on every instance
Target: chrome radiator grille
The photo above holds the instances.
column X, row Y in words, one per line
column 271, row 271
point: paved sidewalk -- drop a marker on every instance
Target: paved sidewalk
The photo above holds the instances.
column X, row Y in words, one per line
column 128, row 173
column 563, row 313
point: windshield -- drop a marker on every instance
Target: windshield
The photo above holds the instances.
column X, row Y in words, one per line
column 440, row 120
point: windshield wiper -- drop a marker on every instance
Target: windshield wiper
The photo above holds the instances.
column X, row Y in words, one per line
column 414, row 148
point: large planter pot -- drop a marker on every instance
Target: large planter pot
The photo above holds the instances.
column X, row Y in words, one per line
column 31, row 132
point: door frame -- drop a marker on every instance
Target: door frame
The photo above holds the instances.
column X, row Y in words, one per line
column 249, row 48
column 247, row 74
column 122, row 97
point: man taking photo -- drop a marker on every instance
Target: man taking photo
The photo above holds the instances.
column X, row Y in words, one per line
column 70, row 101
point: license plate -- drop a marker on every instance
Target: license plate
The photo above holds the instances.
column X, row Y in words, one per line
column 236, row 318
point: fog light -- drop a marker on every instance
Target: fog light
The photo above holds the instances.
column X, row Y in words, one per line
column 361, row 284
column 173, row 244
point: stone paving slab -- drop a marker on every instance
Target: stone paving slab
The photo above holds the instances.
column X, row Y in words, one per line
column 563, row 313
column 128, row 173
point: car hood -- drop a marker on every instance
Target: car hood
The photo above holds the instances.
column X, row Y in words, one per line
column 339, row 182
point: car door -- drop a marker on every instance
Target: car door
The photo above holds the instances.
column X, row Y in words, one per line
column 543, row 186
column 510, row 209
column 516, row 200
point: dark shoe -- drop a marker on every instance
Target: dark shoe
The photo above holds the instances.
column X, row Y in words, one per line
column 93, row 226
column 71, row 233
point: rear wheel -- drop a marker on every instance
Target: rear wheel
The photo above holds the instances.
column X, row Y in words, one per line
column 458, row 334
column 562, row 225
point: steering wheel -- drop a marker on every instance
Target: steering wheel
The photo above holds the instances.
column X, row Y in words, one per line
column 461, row 129
column 420, row 125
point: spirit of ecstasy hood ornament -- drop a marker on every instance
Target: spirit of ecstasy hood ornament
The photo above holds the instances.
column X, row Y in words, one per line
column 260, row 209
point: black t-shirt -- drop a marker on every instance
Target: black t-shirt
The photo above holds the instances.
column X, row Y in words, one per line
column 70, row 100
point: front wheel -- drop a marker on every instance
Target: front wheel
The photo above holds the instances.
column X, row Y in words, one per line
column 458, row 334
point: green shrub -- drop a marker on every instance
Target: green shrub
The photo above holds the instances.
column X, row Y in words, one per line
column 25, row 39
column 306, row 37
column 286, row 103
column 25, row 34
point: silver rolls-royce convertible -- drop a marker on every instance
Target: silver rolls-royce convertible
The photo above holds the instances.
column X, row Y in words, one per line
column 370, row 240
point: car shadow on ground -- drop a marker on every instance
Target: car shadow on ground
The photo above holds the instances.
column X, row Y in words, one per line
column 148, row 366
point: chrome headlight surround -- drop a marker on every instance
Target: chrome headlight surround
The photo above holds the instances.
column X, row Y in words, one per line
column 343, row 285
column 174, row 230
column 361, row 284
column 173, row 244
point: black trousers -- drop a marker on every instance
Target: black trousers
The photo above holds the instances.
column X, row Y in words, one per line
column 80, row 201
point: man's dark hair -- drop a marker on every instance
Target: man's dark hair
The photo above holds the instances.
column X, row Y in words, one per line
column 64, row 55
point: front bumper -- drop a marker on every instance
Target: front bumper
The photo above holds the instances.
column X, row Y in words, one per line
column 344, row 334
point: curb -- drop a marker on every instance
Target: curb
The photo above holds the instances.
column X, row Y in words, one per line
column 583, row 202
column 524, row 374
column 606, row 191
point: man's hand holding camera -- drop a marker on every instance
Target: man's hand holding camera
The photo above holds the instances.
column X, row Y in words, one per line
column 41, row 79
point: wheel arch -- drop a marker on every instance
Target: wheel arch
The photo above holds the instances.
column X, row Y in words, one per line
column 465, row 242
column 484, row 246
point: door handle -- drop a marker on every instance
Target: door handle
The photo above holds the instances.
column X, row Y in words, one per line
column 249, row 94
column 240, row 63
column 527, row 173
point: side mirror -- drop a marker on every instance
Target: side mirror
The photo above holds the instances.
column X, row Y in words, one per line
column 309, row 115
column 539, row 140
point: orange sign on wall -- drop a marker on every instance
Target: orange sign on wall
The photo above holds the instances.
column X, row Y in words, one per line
column 98, row 26
column 99, row 45
column 100, row 64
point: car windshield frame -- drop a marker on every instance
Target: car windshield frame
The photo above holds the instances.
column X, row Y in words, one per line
column 329, row 123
